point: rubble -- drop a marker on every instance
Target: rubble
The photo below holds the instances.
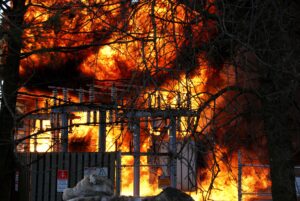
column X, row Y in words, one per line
column 97, row 188
column 92, row 198
column 92, row 187
column 124, row 198
column 171, row 194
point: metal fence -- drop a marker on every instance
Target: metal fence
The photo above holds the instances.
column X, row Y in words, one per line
column 37, row 181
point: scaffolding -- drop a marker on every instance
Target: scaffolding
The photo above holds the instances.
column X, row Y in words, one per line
column 151, row 112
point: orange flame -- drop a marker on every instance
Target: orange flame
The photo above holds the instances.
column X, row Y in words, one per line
column 118, row 40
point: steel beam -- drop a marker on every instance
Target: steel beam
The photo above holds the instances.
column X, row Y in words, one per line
column 102, row 131
column 173, row 150
column 64, row 136
column 136, row 155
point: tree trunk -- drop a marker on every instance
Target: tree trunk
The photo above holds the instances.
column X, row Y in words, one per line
column 279, row 90
column 14, row 23
column 279, row 146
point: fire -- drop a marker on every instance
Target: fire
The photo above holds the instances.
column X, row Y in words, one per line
column 83, row 137
column 41, row 143
column 254, row 180
column 116, row 40
column 147, row 188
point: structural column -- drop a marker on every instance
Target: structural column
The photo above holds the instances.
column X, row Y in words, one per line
column 136, row 150
column 64, row 136
column 173, row 151
column 102, row 131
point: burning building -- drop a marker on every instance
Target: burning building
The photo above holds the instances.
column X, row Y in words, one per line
column 143, row 78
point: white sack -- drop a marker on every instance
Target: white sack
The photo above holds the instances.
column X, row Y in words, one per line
column 92, row 185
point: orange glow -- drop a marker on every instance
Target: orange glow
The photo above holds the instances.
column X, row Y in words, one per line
column 254, row 180
column 225, row 185
column 87, row 134
column 115, row 40
column 42, row 142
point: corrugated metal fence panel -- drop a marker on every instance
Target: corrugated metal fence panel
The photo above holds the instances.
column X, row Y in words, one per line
column 52, row 190
column 33, row 176
column 38, row 182
column 47, row 178
column 24, row 180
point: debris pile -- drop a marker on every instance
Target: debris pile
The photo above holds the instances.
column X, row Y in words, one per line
column 171, row 194
column 97, row 188
column 90, row 188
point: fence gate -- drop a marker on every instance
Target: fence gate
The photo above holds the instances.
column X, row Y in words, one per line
column 37, row 181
